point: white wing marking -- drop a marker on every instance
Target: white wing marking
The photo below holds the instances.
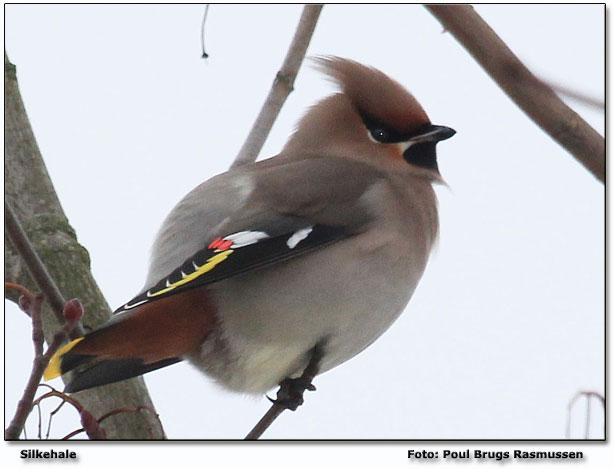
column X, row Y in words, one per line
column 298, row 236
column 245, row 238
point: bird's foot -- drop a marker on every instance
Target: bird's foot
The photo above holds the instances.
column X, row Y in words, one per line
column 290, row 394
column 291, row 390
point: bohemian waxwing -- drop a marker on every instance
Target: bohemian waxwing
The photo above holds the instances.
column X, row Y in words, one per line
column 316, row 249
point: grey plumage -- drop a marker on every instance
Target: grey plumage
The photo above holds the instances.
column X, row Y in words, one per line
column 322, row 245
column 345, row 294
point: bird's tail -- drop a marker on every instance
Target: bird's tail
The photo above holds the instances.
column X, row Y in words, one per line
column 150, row 337
column 95, row 371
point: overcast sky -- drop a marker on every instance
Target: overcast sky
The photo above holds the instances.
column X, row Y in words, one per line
column 507, row 323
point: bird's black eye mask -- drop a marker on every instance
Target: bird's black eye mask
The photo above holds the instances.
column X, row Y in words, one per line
column 420, row 153
column 385, row 134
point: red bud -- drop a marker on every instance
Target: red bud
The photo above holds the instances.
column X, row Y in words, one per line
column 73, row 310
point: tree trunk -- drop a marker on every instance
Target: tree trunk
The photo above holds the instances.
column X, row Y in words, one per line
column 30, row 192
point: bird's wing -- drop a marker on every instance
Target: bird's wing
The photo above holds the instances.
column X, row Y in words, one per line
column 292, row 207
column 234, row 254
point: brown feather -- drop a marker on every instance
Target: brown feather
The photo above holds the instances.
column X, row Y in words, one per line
column 166, row 328
column 375, row 94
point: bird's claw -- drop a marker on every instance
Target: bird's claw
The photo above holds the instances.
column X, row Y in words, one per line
column 290, row 394
column 291, row 390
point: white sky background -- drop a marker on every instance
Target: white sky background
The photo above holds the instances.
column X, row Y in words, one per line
column 507, row 323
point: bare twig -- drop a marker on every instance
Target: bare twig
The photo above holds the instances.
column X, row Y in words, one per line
column 36, row 267
column 73, row 433
column 588, row 395
column 41, row 360
column 202, row 31
column 40, row 422
column 90, row 425
column 51, row 415
column 23, row 291
column 265, row 422
column 587, row 423
column 577, row 95
column 32, row 303
column 65, row 398
column 281, row 88
column 534, row 97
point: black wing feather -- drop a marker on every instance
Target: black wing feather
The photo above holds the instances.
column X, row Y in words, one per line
column 240, row 260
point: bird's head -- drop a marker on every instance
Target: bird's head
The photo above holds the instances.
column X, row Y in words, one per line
column 373, row 119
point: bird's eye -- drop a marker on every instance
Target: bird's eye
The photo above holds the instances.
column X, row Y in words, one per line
column 380, row 134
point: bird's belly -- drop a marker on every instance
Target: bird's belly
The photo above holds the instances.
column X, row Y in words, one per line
column 270, row 319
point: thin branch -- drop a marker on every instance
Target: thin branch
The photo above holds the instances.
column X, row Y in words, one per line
column 33, row 304
column 24, row 295
column 37, row 269
column 73, row 433
column 37, row 326
column 41, row 360
column 587, row 427
column 533, row 96
column 588, row 395
column 40, row 422
column 577, row 95
column 91, row 426
column 202, row 32
column 51, row 415
column 279, row 92
column 23, row 291
column 265, row 422
column 65, row 398
column 281, row 88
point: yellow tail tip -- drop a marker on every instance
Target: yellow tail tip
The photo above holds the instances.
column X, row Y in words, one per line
column 54, row 368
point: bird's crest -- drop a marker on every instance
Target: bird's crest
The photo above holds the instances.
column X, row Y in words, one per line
column 375, row 95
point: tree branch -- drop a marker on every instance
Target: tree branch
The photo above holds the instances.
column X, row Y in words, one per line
column 33, row 304
column 281, row 88
column 533, row 96
column 265, row 422
column 279, row 92
column 588, row 395
column 36, row 268
column 35, row 204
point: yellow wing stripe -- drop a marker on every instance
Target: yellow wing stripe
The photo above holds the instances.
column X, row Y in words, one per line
column 54, row 368
column 203, row 269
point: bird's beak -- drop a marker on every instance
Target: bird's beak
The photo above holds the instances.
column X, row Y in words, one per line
column 433, row 133
column 419, row 150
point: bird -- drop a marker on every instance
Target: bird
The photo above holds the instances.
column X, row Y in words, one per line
column 276, row 271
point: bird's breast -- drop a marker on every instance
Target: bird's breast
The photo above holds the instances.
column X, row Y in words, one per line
column 346, row 294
